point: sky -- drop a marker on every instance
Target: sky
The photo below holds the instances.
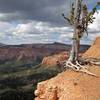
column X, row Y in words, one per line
column 40, row 21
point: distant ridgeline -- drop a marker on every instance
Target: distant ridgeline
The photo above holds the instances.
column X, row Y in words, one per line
column 33, row 52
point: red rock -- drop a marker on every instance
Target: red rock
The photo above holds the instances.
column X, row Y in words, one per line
column 94, row 50
column 30, row 51
column 11, row 53
column 70, row 85
column 54, row 59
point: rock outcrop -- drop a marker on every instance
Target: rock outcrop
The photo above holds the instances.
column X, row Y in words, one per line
column 55, row 59
column 71, row 85
column 94, row 50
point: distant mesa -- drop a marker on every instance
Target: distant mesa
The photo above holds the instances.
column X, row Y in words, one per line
column 1, row 45
column 59, row 43
column 29, row 51
column 33, row 51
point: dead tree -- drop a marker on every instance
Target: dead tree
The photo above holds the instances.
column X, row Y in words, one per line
column 80, row 18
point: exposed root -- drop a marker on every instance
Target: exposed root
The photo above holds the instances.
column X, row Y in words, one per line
column 92, row 61
column 81, row 66
column 77, row 67
column 71, row 65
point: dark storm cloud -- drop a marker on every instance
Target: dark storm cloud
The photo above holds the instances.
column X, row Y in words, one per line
column 15, row 5
column 39, row 10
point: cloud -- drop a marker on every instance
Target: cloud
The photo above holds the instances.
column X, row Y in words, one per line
column 38, row 21
column 32, row 32
column 96, row 24
column 94, row 29
column 35, row 27
column 39, row 10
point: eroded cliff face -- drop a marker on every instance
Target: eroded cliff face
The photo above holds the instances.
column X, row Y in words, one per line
column 33, row 51
column 94, row 50
column 55, row 59
column 71, row 85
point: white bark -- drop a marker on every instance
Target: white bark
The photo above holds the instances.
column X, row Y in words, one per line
column 73, row 61
column 76, row 42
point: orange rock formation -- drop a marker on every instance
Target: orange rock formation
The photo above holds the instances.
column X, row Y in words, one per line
column 94, row 50
column 53, row 60
column 70, row 85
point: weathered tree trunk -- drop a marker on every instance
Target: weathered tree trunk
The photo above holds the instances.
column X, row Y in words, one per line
column 75, row 50
column 80, row 23
column 77, row 31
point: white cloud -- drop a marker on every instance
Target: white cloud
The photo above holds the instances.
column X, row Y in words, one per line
column 32, row 32
column 94, row 29
column 42, row 32
column 39, row 27
column 96, row 24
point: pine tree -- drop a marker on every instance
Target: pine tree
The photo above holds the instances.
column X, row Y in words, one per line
column 80, row 18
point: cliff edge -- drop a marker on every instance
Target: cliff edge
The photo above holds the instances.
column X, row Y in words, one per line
column 71, row 85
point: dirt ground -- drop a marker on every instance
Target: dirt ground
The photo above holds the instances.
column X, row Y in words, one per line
column 71, row 85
